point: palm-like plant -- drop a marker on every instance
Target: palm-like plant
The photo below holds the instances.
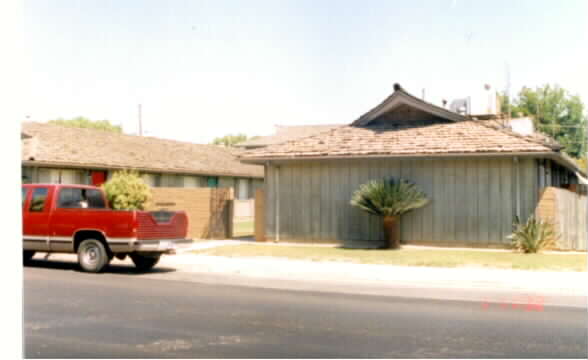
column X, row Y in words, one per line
column 533, row 236
column 389, row 198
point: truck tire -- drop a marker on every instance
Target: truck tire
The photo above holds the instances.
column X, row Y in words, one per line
column 92, row 255
column 27, row 255
column 144, row 263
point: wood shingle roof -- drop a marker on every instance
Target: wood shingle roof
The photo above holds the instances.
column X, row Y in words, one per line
column 56, row 145
column 403, row 125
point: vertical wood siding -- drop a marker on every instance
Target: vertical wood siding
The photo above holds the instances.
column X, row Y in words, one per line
column 472, row 200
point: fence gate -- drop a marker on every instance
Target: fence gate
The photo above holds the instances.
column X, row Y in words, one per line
column 243, row 217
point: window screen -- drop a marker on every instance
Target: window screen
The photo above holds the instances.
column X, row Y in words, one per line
column 38, row 200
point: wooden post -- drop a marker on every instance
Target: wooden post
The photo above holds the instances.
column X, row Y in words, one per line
column 231, row 213
column 277, row 208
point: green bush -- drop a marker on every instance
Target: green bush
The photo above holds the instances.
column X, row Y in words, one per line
column 389, row 197
column 533, row 236
column 127, row 191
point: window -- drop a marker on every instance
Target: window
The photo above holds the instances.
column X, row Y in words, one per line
column 191, row 181
column 80, row 198
column 48, row 176
column 38, row 200
column 213, row 181
column 95, row 199
column 171, row 180
column 27, row 175
column 153, row 180
column 24, row 195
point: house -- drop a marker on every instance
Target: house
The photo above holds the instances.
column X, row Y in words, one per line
column 285, row 133
column 478, row 174
column 57, row 154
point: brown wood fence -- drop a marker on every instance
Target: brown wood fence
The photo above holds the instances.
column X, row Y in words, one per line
column 208, row 209
column 567, row 211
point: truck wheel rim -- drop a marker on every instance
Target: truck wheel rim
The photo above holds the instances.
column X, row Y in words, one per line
column 91, row 255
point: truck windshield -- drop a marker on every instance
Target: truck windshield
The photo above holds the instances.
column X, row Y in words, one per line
column 80, row 198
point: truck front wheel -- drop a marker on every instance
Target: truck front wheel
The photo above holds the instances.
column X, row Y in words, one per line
column 92, row 255
column 143, row 262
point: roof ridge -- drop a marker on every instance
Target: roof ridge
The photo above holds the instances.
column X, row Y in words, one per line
column 56, row 145
column 109, row 133
column 399, row 91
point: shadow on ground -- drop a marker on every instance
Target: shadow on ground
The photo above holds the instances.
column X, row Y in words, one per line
column 244, row 238
column 110, row 269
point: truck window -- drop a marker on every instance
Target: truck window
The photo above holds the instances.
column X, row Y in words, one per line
column 38, row 200
column 95, row 199
column 80, row 198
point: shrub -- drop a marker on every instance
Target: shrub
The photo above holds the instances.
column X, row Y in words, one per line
column 533, row 236
column 389, row 197
column 127, row 191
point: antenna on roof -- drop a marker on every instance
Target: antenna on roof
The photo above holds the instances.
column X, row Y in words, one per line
column 423, row 94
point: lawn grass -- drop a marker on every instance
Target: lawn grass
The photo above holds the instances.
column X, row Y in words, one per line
column 410, row 257
column 241, row 228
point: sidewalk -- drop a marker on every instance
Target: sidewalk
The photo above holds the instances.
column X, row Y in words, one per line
column 570, row 283
column 465, row 283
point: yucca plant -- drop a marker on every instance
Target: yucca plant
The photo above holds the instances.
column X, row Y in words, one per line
column 533, row 235
column 389, row 198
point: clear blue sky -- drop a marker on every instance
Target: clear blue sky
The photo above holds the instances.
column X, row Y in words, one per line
column 207, row 68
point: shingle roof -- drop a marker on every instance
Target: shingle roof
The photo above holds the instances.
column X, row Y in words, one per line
column 465, row 137
column 374, row 135
column 287, row 133
column 65, row 146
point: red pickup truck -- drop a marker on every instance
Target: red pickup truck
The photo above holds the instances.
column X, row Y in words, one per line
column 77, row 219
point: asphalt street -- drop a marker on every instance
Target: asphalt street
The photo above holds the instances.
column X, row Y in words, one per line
column 124, row 314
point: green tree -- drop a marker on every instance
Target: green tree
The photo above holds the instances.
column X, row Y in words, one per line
column 82, row 122
column 230, row 140
column 127, row 191
column 556, row 113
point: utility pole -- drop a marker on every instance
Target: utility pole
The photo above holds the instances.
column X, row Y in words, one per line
column 585, row 141
column 140, row 122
